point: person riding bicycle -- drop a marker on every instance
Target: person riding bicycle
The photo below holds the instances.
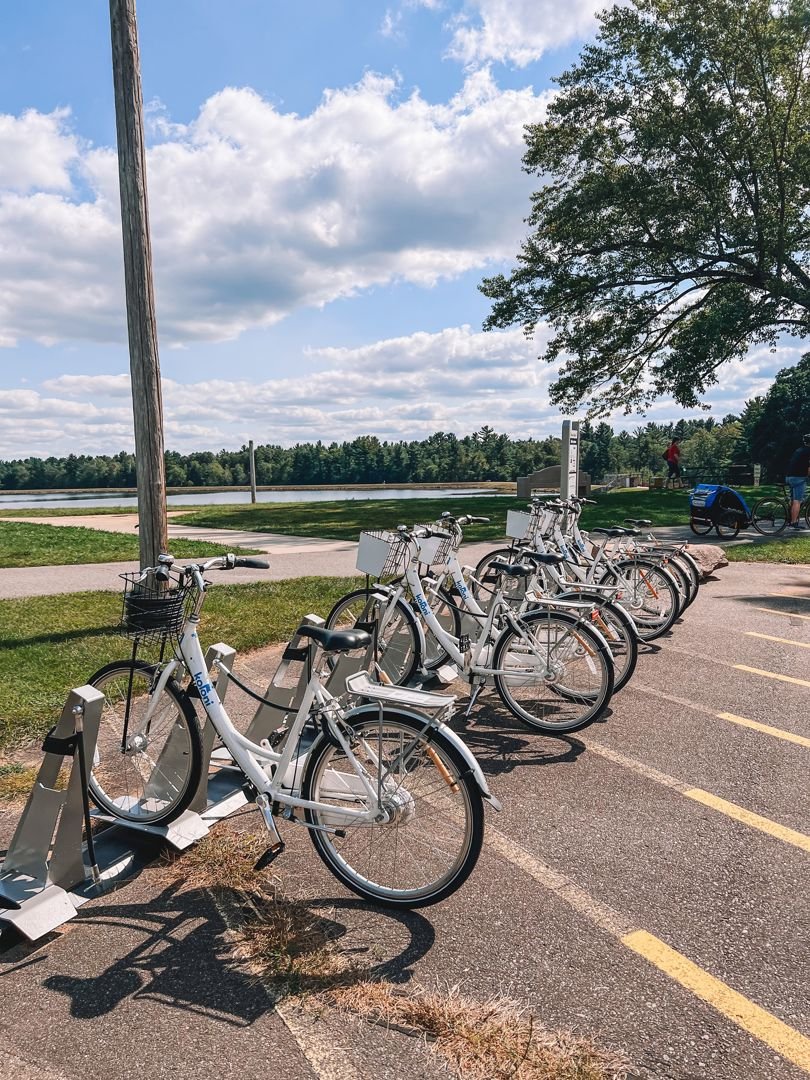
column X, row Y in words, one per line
column 796, row 479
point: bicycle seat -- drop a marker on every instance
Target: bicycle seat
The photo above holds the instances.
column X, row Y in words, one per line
column 642, row 523
column 336, row 640
column 543, row 558
column 511, row 569
column 612, row 532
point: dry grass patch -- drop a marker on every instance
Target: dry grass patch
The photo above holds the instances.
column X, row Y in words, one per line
column 221, row 861
column 497, row 1040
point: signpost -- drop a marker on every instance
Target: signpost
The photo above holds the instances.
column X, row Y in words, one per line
column 569, row 459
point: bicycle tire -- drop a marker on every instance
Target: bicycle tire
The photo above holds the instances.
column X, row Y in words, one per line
column 700, row 527
column 685, row 572
column 770, row 516
column 727, row 526
column 432, row 759
column 692, row 570
column 158, row 776
column 398, row 643
column 626, row 647
column 531, row 695
column 487, row 580
column 649, row 625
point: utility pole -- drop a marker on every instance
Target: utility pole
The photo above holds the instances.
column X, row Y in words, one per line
column 144, row 362
column 252, row 472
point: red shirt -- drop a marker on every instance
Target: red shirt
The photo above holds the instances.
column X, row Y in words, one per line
column 673, row 453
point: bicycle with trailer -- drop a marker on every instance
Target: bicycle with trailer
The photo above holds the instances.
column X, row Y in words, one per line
column 718, row 507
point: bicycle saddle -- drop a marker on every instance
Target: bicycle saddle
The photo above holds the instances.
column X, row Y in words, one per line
column 642, row 523
column 612, row 532
column 543, row 558
column 511, row 569
column 336, row 640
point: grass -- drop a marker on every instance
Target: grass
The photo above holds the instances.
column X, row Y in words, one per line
column 49, row 644
column 25, row 544
column 793, row 550
column 492, row 1040
column 345, row 520
column 295, row 951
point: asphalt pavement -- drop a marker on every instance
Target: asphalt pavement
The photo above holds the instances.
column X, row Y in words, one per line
column 646, row 884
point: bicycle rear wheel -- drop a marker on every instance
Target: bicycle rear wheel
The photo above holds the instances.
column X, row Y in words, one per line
column 650, row 596
column 398, row 648
column 553, row 672
column 144, row 771
column 433, row 837
column 618, row 630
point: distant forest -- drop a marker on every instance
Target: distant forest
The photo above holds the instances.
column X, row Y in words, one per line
column 707, row 446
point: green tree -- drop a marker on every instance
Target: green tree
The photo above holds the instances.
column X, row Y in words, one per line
column 775, row 423
column 672, row 229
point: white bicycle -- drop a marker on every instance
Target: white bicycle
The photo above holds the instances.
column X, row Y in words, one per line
column 551, row 668
column 392, row 798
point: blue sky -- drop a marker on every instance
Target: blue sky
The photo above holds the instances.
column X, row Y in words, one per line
column 328, row 181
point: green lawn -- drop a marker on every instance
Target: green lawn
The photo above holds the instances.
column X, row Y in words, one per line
column 26, row 544
column 345, row 520
column 791, row 549
column 49, row 644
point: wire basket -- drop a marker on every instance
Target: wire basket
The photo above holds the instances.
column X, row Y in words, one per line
column 434, row 550
column 153, row 612
column 382, row 554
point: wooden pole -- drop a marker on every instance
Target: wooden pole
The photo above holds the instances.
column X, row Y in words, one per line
column 252, row 472
column 144, row 361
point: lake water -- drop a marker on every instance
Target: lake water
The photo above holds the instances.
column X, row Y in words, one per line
column 59, row 500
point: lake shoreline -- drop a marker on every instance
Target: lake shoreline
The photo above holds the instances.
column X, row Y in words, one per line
column 506, row 486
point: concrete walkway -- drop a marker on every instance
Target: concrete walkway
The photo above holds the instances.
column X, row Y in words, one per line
column 289, row 556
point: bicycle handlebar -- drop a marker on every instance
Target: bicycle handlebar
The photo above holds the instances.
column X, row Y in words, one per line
column 219, row 562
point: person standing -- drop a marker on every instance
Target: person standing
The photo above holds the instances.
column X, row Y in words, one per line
column 796, row 479
column 672, row 456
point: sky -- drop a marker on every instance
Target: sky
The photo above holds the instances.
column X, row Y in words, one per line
column 329, row 182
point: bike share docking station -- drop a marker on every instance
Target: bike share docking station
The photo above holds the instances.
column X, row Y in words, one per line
column 56, row 861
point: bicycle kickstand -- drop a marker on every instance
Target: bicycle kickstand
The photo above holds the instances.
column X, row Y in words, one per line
column 277, row 846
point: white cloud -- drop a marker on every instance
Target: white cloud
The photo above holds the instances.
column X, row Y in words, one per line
column 36, row 151
column 400, row 388
column 256, row 212
column 518, row 31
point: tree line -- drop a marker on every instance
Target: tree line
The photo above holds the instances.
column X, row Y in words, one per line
column 707, row 446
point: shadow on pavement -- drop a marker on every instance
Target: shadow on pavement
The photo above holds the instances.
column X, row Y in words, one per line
column 183, row 957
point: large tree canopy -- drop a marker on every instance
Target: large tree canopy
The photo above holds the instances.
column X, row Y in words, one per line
column 671, row 231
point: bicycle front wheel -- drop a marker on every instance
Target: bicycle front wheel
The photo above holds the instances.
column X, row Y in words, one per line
column 770, row 516
column 398, row 649
column 432, row 839
column 618, row 630
column 553, row 672
column 650, row 595
column 144, row 770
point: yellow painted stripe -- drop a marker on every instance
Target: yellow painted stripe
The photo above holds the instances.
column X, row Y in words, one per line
column 778, row 733
column 772, row 675
column 787, row 1042
column 781, row 640
column 789, row 614
column 748, row 817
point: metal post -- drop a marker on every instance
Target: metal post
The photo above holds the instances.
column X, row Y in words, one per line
column 142, row 327
column 252, row 472
column 569, row 459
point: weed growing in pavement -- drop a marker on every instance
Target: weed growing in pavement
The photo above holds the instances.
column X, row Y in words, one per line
column 299, row 953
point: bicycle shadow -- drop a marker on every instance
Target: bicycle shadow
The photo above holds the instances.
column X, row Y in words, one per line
column 501, row 745
column 184, row 955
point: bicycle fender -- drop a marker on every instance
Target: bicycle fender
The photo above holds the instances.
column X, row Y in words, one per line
column 457, row 742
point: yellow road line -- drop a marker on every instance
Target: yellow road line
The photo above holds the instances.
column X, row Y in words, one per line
column 772, row 675
column 787, row 1042
column 743, row 721
column 778, row 733
column 790, row 614
column 784, row 1040
column 748, row 817
column 732, row 810
column 781, row 640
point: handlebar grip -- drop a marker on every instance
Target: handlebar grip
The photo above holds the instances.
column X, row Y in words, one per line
column 253, row 564
column 441, row 534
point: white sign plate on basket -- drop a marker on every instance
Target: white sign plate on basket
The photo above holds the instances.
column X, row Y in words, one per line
column 429, row 548
column 517, row 524
column 372, row 553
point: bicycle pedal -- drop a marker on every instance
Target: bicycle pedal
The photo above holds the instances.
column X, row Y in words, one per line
column 270, row 855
